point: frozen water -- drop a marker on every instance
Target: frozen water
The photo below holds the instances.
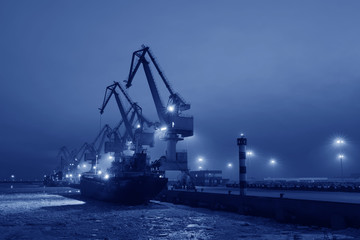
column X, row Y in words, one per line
column 66, row 215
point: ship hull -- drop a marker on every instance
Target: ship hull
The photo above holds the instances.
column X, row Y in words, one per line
column 127, row 190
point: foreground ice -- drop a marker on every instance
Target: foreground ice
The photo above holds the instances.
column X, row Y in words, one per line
column 69, row 216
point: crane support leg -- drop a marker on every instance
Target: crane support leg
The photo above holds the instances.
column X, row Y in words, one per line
column 172, row 140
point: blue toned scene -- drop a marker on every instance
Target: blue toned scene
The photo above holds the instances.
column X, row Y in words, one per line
column 193, row 120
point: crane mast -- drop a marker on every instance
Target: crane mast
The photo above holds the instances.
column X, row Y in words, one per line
column 177, row 126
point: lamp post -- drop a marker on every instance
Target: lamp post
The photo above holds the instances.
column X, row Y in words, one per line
column 339, row 143
column 249, row 155
column 272, row 163
column 341, row 157
column 201, row 162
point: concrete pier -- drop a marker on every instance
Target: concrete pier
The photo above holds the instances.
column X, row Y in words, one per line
column 337, row 215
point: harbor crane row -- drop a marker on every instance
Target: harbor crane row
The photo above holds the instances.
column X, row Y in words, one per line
column 132, row 119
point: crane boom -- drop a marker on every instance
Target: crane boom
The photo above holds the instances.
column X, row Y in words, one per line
column 154, row 91
column 110, row 91
column 176, row 126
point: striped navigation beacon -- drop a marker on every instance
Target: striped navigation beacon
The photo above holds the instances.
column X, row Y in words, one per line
column 241, row 142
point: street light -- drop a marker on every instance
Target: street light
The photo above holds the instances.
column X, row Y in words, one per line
column 249, row 154
column 341, row 157
column 339, row 142
column 201, row 161
column 229, row 165
column 272, row 162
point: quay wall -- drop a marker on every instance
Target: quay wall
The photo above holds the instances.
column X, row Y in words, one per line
column 308, row 212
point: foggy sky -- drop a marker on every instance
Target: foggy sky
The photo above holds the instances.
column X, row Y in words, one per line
column 285, row 73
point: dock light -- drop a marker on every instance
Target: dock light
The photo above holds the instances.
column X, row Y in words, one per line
column 106, row 177
column 341, row 157
column 171, row 108
column 339, row 142
column 163, row 129
column 99, row 172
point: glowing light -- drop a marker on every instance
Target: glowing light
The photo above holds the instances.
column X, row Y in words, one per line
column 111, row 157
column 79, row 175
column 272, row 162
column 99, row 172
column 138, row 126
column 12, row 176
column 341, row 156
column 106, row 176
column 171, row 108
column 67, row 175
column 249, row 153
column 94, row 167
column 84, row 165
column 200, row 159
column 200, row 167
column 241, row 134
column 229, row 165
column 172, row 124
column 163, row 129
column 70, row 175
column 339, row 141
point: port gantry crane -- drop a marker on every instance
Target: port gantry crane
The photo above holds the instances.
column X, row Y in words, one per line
column 95, row 148
column 134, row 126
column 176, row 125
column 66, row 158
column 116, row 143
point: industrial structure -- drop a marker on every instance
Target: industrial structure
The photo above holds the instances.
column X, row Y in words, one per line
column 176, row 125
column 116, row 166
column 242, row 142
column 208, row 178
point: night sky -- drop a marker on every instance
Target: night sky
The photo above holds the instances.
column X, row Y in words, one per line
column 285, row 73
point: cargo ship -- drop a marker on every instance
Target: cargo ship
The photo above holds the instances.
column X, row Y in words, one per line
column 127, row 184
